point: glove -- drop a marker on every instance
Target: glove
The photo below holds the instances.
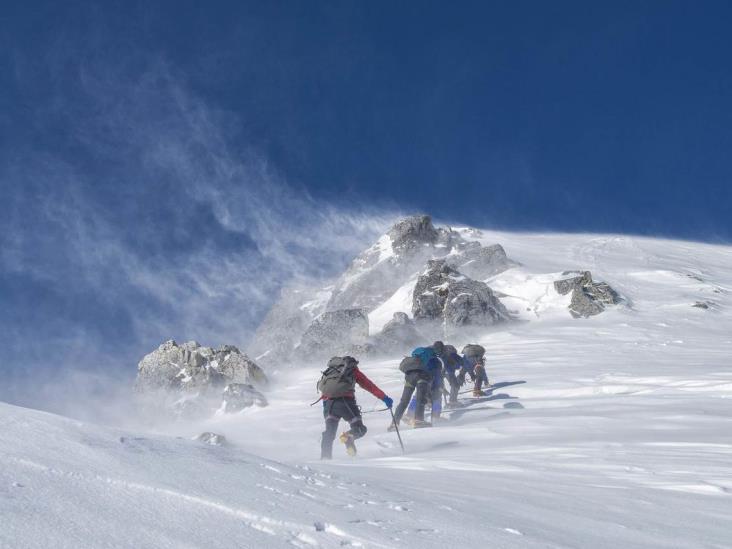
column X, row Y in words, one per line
column 389, row 402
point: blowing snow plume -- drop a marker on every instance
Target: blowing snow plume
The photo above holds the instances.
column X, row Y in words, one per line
column 148, row 222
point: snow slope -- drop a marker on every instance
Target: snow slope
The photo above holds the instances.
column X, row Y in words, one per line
column 612, row 431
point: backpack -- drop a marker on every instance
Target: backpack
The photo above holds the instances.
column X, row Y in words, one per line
column 339, row 378
column 409, row 364
column 451, row 356
column 474, row 351
column 424, row 354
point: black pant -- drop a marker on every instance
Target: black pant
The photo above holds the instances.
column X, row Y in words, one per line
column 454, row 385
column 480, row 377
column 333, row 411
column 419, row 381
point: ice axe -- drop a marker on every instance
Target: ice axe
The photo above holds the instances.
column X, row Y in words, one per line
column 396, row 428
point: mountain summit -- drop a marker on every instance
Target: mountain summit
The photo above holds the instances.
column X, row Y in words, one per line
column 314, row 321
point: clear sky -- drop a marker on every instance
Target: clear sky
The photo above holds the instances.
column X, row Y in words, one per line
column 166, row 166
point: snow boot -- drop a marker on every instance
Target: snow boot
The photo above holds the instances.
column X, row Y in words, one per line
column 478, row 393
column 420, row 424
column 347, row 439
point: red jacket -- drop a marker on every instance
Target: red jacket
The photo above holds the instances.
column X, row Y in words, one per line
column 365, row 383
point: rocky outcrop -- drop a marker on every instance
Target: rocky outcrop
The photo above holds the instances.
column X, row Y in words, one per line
column 280, row 331
column 588, row 297
column 444, row 294
column 334, row 332
column 480, row 262
column 214, row 439
column 189, row 379
column 372, row 278
column 404, row 250
column 413, row 234
column 400, row 332
column 238, row 396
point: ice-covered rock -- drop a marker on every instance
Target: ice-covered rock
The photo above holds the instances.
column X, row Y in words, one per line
column 280, row 331
column 480, row 262
column 400, row 332
column 372, row 278
column 588, row 297
column 187, row 379
column 401, row 253
column 413, row 233
column 334, row 332
column 444, row 294
column 214, row 439
column 190, row 367
column 238, row 396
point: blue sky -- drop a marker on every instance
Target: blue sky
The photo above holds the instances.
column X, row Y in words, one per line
column 166, row 166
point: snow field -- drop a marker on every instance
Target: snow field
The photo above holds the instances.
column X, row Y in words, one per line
column 607, row 432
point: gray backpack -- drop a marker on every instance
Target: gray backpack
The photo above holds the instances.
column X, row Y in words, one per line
column 339, row 378
column 474, row 351
column 409, row 364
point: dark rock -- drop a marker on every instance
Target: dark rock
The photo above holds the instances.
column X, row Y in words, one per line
column 588, row 298
column 280, row 331
column 444, row 294
column 412, row 233
column 334, row 332
column 213, row 439
column 238, row 396
column 400, row 332
column 479, row 262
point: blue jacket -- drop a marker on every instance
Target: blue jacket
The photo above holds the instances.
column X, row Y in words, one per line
column 454, row 362
column 430, row 362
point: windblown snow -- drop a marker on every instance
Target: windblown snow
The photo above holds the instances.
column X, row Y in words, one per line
column 606, row 432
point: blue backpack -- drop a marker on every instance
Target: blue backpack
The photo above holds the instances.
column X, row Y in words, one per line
column 427, row 357
column 424, row 354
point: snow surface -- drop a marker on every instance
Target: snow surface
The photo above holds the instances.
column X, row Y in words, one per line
column 612, row 431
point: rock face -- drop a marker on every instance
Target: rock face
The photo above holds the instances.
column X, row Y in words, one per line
column 371, row 279
column 334, row 332
column 479, row 262
column 413, row 233
column 286, row 321
column 238, row 396
column 588, row 298
column 399, row 333
column 401, row 253
column 213, row 439
column 188, row 379
column 444, row 294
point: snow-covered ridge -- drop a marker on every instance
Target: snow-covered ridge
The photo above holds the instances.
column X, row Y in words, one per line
column 605, row 432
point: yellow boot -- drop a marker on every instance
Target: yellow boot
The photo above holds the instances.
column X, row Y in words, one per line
column 347, row 439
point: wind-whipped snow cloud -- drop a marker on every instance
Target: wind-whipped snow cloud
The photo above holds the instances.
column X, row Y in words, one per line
column 146, row 221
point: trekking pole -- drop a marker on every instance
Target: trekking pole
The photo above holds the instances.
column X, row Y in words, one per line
column 396, row 428
column 377, row 410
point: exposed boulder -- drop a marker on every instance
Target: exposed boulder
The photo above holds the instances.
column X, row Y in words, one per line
column 191, row 366
column 280, row 331
column 334, row 332
column 588, row 298
column 443, row 293
column 413, row 233
column 188, row 379
column 238, row 396
column 480, row 262
column 400, row 332
column 214, row 439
